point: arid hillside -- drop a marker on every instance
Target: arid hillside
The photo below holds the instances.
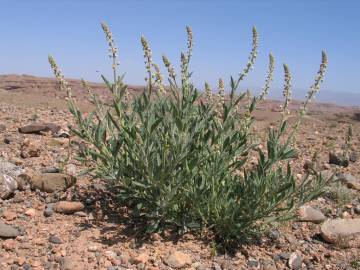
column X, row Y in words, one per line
column 55, row 218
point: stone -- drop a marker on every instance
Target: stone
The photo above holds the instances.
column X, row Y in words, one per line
column 48, row 212
column 9, row 244
column 55, row 239
column 30, row 212
column 50, row 170
column 37, row 128
column 353, row 157
column 93, row 248
column 309, row 214
column 337, row 159
column 178, row 259
column 27, row 266
column 7, row 231
column 2, row 127
column 342, row 232
column 110, row 255
column 8, row 185
column 18, row 198
column 7, row 140
column 51, row 182
column 66, row 207
column 295, row 261
column 141, row 258
column 252, row 263
column 33, row 128
column 350, row 181
column 67, row 264
column 9, row 215
column 70, row 169
column 274, row 234
column 25, row 178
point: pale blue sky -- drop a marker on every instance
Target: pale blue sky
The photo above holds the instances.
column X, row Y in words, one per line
column 294, row 31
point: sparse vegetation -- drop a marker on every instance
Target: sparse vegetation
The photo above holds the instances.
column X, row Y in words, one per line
column 179, row 159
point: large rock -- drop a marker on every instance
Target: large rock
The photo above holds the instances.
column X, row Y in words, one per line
column 51, row 182
column 309, row 214
column 6, row 231
column 178, row 259
column 33, row 128
column 8, row 185
column 342, row 232
column 8, row 178
column 350, row 181
column 37, row 128
column 66, row 207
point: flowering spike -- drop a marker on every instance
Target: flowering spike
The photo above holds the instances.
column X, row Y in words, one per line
column 189, row 42
column 252, row 56
column 60, row 77
column 269, row 78
column 287, row 89
column 315, row 87
column 221, row 88
column 169, row 67
column 208, row 91
column 148, row 60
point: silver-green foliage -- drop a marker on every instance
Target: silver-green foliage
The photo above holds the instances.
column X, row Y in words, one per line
column 179, row 159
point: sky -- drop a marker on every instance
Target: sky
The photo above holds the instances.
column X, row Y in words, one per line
column 295, row 32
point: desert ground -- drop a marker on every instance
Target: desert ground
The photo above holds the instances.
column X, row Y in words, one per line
column 51, row 222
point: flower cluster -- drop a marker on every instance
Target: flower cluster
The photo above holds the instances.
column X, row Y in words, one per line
column 252, row 56
column 169, row 67
column 208, row 92
column 113, row 50
column 269, row 78
column 287, row 89
column 190, row 42
column 64, row 85
column 221, row 93
column 158, row 78
column 319, row 78
column 147, row 56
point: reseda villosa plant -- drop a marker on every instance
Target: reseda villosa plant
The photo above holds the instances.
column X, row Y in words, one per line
column 179, row 159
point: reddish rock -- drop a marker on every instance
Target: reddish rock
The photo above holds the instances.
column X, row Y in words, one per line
column 9, row 244
column 66, row 207
column 9, row 215
column 51, row 182
column 141, row 258
column 178, row 259
column 30, row 212
column 342, row 232
column 309, row 214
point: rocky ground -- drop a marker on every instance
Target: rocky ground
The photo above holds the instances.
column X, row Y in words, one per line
column 52, row 218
